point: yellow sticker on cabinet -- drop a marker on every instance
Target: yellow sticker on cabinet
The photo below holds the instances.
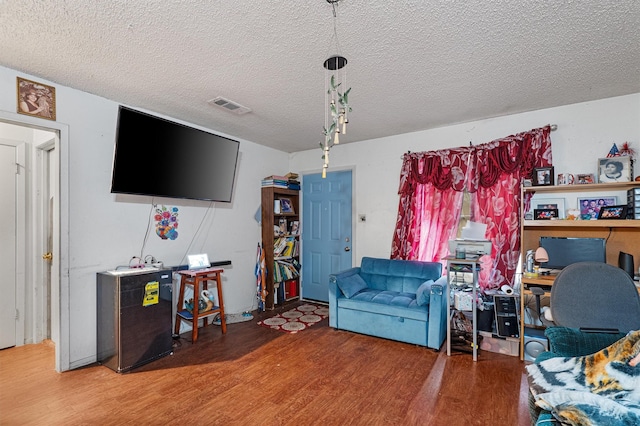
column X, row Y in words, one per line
column 151, row 293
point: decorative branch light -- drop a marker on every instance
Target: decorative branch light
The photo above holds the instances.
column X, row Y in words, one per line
column 336, row 97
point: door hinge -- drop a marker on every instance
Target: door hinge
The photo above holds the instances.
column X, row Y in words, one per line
column 17, row 314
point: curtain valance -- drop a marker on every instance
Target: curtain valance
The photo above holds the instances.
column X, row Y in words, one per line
column 477, row 166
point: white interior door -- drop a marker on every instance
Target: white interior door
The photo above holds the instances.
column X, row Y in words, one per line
column 8, row 192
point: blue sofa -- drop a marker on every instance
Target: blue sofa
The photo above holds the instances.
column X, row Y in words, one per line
column 395, row 299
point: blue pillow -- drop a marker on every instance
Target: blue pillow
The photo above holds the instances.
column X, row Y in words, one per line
column 423, row 292
column 351, row 285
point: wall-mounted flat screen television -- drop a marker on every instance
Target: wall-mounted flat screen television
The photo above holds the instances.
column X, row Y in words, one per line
column 158, row 157
column 563, row 251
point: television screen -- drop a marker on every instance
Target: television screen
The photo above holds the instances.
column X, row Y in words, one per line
column 158, row 157
column 563, row 251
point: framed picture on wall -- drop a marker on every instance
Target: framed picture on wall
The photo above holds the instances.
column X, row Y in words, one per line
column 543, row 176
column 614, row 169
column 36, row 99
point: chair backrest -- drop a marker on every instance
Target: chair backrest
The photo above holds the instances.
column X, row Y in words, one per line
column 595, row 295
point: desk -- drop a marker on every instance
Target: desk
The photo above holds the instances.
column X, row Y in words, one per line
column 545, row 282
column 198, row 279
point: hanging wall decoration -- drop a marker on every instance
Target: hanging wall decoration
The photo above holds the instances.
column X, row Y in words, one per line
column 36, row 99
column 166, row 222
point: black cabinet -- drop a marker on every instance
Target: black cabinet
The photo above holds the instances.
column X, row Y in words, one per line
column 134, row 317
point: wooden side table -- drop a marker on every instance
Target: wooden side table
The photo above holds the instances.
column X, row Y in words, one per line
column 199, row 279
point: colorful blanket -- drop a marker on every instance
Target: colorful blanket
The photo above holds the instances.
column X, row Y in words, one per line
column 598, row 389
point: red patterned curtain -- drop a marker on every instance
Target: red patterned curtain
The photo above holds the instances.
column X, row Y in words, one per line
column 492, row 172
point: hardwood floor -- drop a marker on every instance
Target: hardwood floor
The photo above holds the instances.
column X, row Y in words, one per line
column 254, row 375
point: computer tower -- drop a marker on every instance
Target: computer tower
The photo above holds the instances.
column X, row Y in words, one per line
column 506, row 309
column 535, row 342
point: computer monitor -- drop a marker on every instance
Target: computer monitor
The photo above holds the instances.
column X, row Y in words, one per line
column 563, row 251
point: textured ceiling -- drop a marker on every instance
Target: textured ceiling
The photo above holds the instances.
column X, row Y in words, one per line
column 413, row 65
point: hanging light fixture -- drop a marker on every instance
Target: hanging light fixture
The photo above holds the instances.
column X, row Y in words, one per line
column 336, row 96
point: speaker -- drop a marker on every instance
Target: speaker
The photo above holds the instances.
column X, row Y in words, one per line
column 625, row 261
column 535, row 343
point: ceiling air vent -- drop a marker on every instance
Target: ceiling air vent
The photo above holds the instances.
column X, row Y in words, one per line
column 230, row 106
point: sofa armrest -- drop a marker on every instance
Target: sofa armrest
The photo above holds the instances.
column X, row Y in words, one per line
column 438, row 300
column 335, row 293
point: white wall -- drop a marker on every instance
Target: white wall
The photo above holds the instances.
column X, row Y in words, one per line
column 106, row 230
column 586, row 131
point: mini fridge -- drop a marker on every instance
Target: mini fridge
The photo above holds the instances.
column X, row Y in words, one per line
column 134, row 317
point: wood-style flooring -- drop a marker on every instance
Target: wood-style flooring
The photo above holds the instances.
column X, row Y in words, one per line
column 257, row 376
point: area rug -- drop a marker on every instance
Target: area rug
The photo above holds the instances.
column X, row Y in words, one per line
column 297, row 319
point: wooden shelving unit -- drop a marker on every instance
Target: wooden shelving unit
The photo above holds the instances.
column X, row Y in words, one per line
column 290, row 287
column 621, row 235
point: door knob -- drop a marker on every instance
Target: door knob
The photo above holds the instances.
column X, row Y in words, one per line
column 47, row 256
column 347, row 249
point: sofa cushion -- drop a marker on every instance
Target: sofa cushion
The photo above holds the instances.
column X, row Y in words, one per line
column 398, row 275
column 351, row 285
column 423, row 292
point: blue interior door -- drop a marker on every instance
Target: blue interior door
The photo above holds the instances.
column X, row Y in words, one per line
column 326, row 231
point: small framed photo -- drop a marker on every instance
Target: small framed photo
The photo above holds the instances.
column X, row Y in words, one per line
column 590, row 207
column 566, row 179
column 614, row 169
column 543, row 176
column 286, row 206
column 545, row 214
column 36, row 99
column 613, row 212
column 584, row 178
column 294, row 227
column 549, row 203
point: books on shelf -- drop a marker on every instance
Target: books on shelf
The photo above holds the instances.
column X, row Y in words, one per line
column 289, row 181
column 284, row 270
column 286, row 247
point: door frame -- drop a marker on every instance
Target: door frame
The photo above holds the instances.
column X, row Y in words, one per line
column 60, row 298
column 352, row 168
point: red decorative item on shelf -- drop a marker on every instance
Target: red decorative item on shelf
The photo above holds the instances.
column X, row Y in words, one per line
column 626, row 150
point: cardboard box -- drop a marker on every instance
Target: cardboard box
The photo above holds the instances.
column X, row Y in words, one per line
column 502, row 345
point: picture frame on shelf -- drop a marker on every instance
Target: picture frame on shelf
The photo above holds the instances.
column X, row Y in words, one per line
column 615, row 169
column 543, row 176
column 585, row 178
column 565, row 179
column 613, row 212
column 294, row 227
column 286, row 206
column 549, row 203
column 545, row 214
column 590, row 207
